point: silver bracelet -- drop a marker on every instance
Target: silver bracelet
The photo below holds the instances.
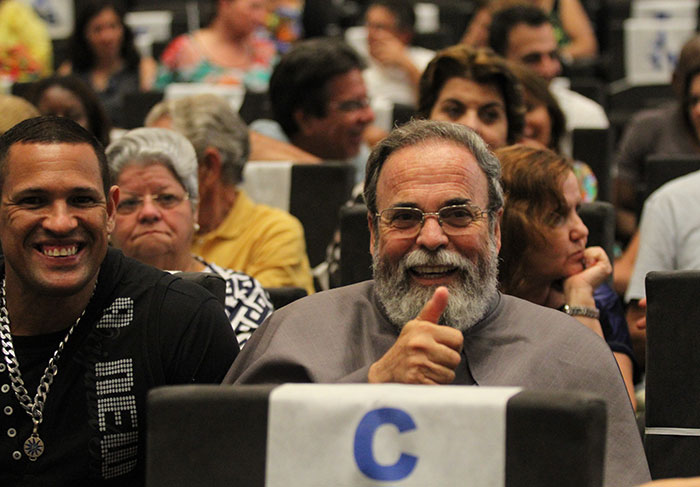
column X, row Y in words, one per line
column 581, row 311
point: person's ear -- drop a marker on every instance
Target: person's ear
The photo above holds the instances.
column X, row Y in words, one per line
column 210, row 168
column 112, row 201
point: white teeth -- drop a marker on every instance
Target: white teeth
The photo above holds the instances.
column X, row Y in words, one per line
column 61, row 252
column 433, row 270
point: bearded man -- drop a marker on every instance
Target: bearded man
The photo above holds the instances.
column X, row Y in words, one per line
column 433, row 313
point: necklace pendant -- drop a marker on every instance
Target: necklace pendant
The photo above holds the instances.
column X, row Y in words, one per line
column 33, row 447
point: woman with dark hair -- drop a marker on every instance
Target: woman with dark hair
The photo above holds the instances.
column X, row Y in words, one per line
column 103, row 54
column 545, row 126
column 544, row 258
column 69, row 96
column 476, row 88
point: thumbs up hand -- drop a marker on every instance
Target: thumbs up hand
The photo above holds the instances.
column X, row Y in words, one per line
column 425, row 352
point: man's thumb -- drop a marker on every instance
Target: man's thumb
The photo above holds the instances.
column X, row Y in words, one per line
column 435, row 306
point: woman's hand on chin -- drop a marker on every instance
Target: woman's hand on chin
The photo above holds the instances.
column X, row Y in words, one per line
column 596, row 270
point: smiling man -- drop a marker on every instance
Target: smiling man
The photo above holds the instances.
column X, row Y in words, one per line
column 111, row 326
column 433, row 314
column 319, row 101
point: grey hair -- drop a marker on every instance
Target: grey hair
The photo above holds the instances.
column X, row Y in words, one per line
column 419, row 131
column 145, row 146
column 209, row 121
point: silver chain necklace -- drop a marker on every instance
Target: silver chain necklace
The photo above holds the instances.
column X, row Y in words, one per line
column 33, row 446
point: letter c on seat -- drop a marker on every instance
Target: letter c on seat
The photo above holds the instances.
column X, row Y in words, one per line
column 364, row 437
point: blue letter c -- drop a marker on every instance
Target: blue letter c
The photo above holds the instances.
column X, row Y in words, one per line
column 364, row 436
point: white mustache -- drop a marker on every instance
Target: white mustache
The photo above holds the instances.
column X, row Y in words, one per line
column 439, row 258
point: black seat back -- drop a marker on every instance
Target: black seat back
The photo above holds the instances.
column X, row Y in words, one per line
column 672, row 439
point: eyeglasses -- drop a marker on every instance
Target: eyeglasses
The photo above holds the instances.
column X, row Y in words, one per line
column 164, row 201
column 407, row 222
column 348, row 106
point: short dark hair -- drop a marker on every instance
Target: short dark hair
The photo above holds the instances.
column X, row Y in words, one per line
column 402, row 10
column 49, row 129
column 482, row 66
column 98, row 121
column 507, row 19
column 300, row 80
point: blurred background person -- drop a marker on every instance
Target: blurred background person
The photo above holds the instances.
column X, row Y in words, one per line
column 670, row 129
column 264, row 242
column 320, row 103
column 26, row 53
column 476, row 88
column 545, row 126
column 524, row 34
column 102, row 53
column 70, row 97
column 544, row 258
column 13, row 110
column 156, row 171
column 394, row 66
column 572, row 27
column 233, row 49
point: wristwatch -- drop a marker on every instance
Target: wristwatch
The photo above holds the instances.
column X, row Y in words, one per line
column 581, row 311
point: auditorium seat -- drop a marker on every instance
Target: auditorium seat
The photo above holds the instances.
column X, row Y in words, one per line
column 242, row 435
column 213, row 283
column 282, row 296
column 355, row 259
column 672, row 439
column 313, row 193
column 593, row 146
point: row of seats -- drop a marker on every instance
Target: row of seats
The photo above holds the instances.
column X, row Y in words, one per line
column 223, row 436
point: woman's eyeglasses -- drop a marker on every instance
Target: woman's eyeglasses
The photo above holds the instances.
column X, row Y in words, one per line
column 164, row 201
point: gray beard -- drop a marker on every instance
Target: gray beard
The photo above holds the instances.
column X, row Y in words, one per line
column 469, row 295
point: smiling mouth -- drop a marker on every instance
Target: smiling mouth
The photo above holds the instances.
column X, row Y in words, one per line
column 59, row 250
column 432, row 272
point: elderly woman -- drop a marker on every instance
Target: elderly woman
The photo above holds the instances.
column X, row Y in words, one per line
column 544, row 258
column 156, row 171
column 476, row 88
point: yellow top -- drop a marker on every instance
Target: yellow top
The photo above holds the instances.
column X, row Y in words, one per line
column 264, row 242
column 25, row 45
